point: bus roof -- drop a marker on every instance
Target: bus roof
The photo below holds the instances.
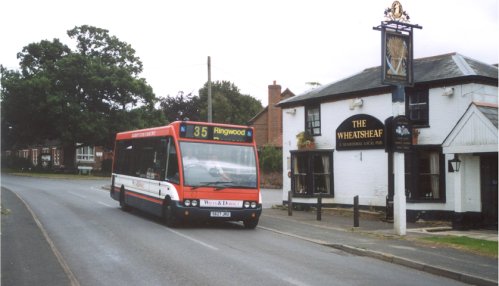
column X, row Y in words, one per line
column 143, row 133
column 166, row 130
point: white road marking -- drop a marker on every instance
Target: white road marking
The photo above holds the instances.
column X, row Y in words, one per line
column 78, row 195
column 193, row 239
column 293, row 281
column 104, row 204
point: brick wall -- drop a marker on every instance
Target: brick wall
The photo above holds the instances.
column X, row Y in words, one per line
column 268, row 124
column 260, row 125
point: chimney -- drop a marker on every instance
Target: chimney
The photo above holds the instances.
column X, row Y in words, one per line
column 274, row 118
column 274, row 94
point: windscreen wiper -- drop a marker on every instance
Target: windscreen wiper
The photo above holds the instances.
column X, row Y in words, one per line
column 222, row 184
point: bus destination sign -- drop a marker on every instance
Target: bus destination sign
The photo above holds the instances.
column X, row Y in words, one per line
column 216, row 133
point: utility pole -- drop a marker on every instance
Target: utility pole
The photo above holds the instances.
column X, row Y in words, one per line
column 210, row 118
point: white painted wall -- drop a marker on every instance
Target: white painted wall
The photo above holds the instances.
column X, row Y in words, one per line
column 445, row 111
column 293, row 123
column 364, row 173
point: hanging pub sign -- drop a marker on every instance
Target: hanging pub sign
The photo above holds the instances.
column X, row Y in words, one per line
column 401, row 133
column 360, row 132
column 397, row 58
column 396, row 46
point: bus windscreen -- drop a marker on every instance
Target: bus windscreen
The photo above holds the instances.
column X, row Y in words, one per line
column 218, row 165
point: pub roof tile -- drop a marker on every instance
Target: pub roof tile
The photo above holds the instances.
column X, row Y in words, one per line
column 435, row 69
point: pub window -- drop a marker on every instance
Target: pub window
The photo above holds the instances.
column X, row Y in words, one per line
column 424, row 175
column 312, row 173
column 417, row 107
column 313, row 120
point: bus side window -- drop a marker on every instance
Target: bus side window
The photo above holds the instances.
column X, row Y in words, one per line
column 124, row 157
column 172, row 173
column 160, row 164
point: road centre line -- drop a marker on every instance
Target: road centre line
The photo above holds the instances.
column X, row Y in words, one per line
column 193, row 239
column 169, row 229
column 293, row 281
column 85, row 198
column 78, row 195
column 104, row 204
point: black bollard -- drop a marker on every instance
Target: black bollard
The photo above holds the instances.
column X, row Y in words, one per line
column 319, row 207
column 290, row 204
column 356, row 211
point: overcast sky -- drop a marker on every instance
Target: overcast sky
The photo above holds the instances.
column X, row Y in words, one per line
column 252, row 43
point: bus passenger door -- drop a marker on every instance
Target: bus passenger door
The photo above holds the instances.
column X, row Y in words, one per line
column 171, row 172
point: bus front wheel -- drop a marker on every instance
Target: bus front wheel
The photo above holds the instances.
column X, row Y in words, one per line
column 250, row 223
column 168, row 217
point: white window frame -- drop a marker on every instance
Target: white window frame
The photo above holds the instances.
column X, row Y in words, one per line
column 56, row 156
column 313, row 120
column 85, row 154
column 34, row 157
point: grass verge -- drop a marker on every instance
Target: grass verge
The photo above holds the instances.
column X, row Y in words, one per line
column 479, row 246
column 4, row 210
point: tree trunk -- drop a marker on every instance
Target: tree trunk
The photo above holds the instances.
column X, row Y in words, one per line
column 69, row 157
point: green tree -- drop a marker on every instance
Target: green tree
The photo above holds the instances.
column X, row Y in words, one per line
column 228, row 104
column 82, row 96
column 180, row 107
column 26, row 95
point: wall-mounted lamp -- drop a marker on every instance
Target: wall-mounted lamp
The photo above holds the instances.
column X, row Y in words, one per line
column 454, row 164
column 356, row 102
column 448, row 91
column 291, row 111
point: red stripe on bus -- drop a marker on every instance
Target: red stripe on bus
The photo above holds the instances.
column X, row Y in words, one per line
column 145, row 133
column 147, row 198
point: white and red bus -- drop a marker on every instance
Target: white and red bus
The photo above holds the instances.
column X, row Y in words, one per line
column 189, row 171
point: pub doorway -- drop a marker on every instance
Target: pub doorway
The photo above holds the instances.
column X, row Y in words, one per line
column 488, row 179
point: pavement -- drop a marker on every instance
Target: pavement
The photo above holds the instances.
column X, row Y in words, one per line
column 377, row 239
column 373, row 238
column 22, row 240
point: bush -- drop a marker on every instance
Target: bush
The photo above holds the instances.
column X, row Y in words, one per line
column 16, row 163
column 270, row 158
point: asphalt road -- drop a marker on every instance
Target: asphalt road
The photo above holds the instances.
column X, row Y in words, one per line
column 95, row 243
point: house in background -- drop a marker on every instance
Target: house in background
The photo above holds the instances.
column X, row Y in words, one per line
column 268, row 123
column 47, row 155
column 453, row 108
column 50, row 156
column 91, row 158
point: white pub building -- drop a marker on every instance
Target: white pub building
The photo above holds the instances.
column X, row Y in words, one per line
column 450, row 169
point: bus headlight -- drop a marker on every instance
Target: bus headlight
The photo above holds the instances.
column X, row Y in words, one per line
column 187, row 203
column 194, row 203
column 246, row 204
column 253, row 205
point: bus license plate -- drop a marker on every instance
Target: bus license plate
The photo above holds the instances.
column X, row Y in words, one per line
column 220, row 214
